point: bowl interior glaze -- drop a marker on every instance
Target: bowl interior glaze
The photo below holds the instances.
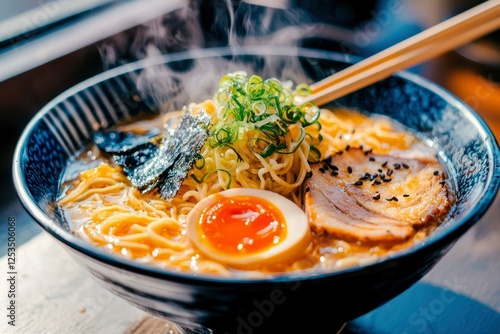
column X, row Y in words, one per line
column 465, row 144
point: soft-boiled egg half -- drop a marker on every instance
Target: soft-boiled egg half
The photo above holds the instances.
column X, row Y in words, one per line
column 244, row 227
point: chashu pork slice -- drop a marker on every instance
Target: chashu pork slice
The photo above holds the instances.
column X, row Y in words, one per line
column 375, row 198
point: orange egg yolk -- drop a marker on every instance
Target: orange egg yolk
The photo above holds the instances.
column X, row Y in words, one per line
column 242, row 225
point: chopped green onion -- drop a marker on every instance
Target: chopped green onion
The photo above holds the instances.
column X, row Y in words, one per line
column 303, row 90
column 211, row 172
column 198, row 158
column 314, row 154
column 236, row 152
column 265, row 107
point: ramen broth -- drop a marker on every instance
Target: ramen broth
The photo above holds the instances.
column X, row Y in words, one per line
column 153, row 229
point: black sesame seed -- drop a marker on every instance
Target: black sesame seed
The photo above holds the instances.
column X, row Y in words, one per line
column 329, row 159
column 406, row 195
column 333, row 167
column 363, row 178
column 389, row 172
column 372, row 159
column 325, row 166
column 382, row 175
column 384, row 164
column 309, row 174
column 436, row 172
column 377, row 182
column 379, row 170
column 442, row 183
column 307, row 189
column 405, row 165
column 376, row 197
column 397, row 166
column 340, row 152
column 387, row 179
column 368, row 175
column 322, row 170
column 394, row 198
column 360, row 147
column 334, row 173
column 358, row 183
column 347, row 147
column 349, row 169
column 388, row 199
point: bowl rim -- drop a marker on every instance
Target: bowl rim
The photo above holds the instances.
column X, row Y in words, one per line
column 432, row 242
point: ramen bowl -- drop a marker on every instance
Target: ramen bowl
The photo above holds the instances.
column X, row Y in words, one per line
column 258, row 305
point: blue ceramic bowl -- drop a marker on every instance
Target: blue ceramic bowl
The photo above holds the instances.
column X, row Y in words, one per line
column 60, row 129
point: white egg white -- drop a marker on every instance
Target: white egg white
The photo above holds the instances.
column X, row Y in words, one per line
column 297, row 238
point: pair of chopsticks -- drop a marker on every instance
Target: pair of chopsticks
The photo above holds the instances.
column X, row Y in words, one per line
column 446, row 36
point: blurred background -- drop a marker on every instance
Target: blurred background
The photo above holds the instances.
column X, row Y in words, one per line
column 47, row 46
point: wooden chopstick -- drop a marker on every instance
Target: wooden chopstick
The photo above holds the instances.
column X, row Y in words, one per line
column 448, row 35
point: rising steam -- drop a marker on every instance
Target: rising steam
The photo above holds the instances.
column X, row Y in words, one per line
column 209, row 24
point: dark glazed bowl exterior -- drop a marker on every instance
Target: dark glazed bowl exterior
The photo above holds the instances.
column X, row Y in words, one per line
column 466, row 146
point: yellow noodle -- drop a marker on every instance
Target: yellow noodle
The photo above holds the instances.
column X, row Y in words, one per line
column 137, row 237
column 132, row 246
column 90, row 189
column 119, row 217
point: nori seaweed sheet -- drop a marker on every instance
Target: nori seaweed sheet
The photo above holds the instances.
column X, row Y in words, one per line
column 151, row 161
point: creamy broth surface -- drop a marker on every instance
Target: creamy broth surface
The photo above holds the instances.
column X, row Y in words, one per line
column 105, row 209
column 368, row 187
